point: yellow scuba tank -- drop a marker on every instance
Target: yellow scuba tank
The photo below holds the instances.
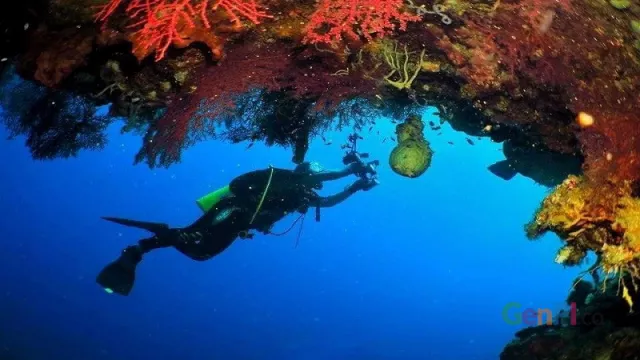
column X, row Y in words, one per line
column 208, row 201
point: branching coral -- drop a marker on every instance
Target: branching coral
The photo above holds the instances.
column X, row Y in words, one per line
column 403, row 72
column 336, row 22
column 159, row 24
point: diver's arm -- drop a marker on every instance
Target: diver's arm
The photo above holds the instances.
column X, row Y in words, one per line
column 357, row 168
column 329, row 201
column 328, row 175
column 333, row 200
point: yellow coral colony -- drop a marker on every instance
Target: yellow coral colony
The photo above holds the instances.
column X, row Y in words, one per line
column 604, row 218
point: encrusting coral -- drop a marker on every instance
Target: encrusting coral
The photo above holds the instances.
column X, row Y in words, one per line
column 588, row 216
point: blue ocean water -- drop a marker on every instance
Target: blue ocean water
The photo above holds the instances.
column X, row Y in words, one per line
column 413, row 269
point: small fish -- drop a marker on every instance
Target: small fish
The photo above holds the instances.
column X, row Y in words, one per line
column 329, row 142
column 431, row 124
column 383, row 140
column 435, row 128
column 450, row 142
column 392, row 139
column 249, row 147
column 439, row 134
column 371, row 128
column 470, row 141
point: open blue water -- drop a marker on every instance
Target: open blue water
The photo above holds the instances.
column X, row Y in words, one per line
column 413, row 269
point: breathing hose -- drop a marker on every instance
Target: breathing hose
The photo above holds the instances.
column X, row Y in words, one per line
column 264, row 195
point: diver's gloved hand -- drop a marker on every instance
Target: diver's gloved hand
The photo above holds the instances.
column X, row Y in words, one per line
column 365, row 184
column 359, row 167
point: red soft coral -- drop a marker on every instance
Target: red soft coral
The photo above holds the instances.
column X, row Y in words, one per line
column 193, row 115
column 306, row 76
column 337, row 21
column 162, row 23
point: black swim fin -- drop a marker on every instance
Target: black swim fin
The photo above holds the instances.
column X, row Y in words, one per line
column 153, row 227
column 118, row 277
column 503, row 169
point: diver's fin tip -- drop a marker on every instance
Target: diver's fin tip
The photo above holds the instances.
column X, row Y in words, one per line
column 503, row 169
column 149, row 226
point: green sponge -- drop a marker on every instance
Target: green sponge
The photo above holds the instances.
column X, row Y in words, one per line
column 620, row 4
column 635, row 26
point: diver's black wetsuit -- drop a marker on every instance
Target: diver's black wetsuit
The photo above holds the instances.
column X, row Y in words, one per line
column 287, row 191
column 206, row 237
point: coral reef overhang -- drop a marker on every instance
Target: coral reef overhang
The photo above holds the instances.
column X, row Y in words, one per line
column 513, row 70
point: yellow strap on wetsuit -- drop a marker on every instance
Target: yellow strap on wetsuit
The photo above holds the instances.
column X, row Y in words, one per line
column 264, row 194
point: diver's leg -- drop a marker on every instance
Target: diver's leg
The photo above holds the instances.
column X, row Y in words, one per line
column 210, row 241
column 198, row 246
column 207, row 248
column 152, row 243
column 134, row 252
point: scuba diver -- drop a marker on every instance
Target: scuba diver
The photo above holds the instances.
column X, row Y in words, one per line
column 253, row 201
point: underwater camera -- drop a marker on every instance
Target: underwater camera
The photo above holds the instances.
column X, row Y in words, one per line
column 353, row 156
